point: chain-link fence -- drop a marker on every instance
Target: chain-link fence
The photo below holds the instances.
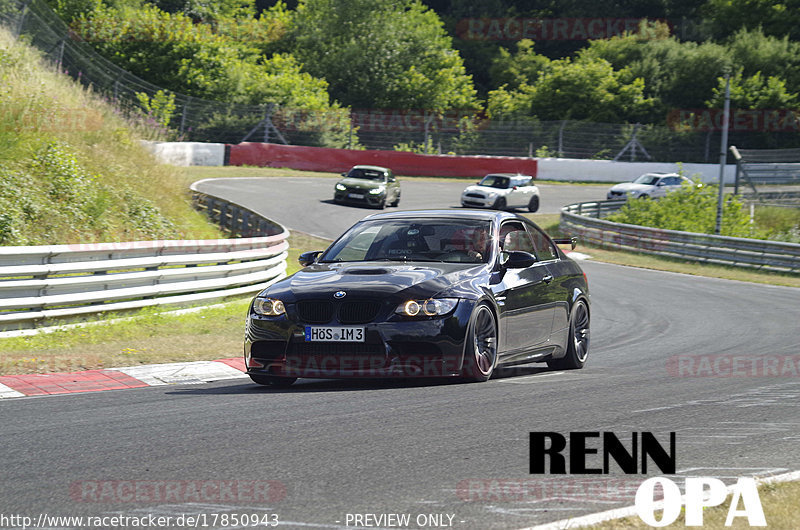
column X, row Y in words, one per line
column 455, row 132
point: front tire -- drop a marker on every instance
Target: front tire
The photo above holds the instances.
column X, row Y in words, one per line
column 273, row 381
column 480, row 349
column 500, row 203
column 577, row 341
column 533, row 204
column 396, row 200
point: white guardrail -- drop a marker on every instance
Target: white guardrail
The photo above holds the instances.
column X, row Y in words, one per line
column 42, row 284
column 585, row 220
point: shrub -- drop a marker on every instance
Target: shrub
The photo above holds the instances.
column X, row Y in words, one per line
column 691, row 209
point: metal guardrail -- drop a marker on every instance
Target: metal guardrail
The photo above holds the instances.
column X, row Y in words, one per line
column 586, row 221
column 40, row 284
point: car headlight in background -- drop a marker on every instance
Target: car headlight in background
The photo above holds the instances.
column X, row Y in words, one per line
column 268, row 307
column 377, row 191
column 430, row 307
column 341, row 187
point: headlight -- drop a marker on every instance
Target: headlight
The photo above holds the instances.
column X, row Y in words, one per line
column 268, row 307
column 377, row 191
column 430, row 307
column 341, row 187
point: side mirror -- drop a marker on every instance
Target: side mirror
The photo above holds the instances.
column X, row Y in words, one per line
column 308, row 258
column 517, row 259
column 343, row 174
column 572, row 241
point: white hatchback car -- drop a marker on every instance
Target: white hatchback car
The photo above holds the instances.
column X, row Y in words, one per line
column 501, row 191
column 649, row 185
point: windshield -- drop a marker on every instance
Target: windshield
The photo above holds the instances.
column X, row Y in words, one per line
column 494, row 181
column 369, row 174
column 649, row 180
column 440, row 240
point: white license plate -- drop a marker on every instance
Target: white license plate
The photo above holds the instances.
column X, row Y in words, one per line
column 333, row 334
column 356, row 195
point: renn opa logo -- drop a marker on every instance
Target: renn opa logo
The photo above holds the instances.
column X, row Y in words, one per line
column 701, row 492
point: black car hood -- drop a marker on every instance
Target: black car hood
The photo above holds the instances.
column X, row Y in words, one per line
column 411, row 280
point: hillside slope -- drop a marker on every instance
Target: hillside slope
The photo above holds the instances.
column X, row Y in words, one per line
column 72, row 168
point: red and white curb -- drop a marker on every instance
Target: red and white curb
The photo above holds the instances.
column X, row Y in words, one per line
column 15, row 386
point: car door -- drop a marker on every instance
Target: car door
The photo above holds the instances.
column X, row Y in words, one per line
column 674, row 183
column 518, row 193
column 559, row 289
column 526, row 187
column 527, row 311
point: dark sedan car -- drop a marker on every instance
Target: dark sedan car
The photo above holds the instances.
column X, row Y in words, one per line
column 423, row 294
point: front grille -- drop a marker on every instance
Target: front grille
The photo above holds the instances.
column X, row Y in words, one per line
column 347, row 312
column 315, row 311
column 473, row 203
column 358, row 311
column 476, row 195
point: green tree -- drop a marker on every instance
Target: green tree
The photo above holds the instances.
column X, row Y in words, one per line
column 776, row 18
column 577, row 90
column 173, row 52
column 381, row 54
column 754, row 92
column 522, row 67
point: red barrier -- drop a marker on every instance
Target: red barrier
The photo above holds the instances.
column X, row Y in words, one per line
column 401, row 162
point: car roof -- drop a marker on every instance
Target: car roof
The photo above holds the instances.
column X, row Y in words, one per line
column 661, row 174
column 486, row 215
column 510, row 175
column 374, row 168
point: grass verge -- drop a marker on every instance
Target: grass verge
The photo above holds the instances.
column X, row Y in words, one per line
column 779, row 502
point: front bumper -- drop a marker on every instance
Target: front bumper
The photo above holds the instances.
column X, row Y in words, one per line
column 477, row 202
column 359, row 197
column 397, row 347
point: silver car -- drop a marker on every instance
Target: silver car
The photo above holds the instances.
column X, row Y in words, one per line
column 649, row 185
column 501, row 191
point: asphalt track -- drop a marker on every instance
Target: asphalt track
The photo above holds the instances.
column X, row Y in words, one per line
column 357, row 447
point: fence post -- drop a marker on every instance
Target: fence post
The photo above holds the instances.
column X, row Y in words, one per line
column 561, row 138
column 350, row 134
column 21, row 23
column 183, row 114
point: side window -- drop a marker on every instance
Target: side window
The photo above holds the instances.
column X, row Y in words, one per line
column 544, row 247
column 513, row 236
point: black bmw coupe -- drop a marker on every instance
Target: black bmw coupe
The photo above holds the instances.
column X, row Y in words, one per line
column 435, row 293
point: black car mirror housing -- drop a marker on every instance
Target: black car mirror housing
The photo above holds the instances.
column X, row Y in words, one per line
column 309, row 258
column 517, row 259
